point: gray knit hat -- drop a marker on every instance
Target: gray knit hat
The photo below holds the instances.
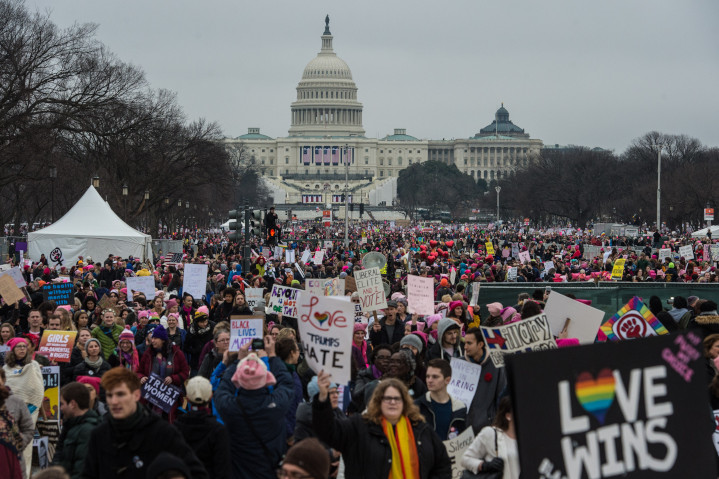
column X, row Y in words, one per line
column 412, row 340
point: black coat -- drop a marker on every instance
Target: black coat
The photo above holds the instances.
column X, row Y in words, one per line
column 195, row 341
column 365, row 449
column 84, row 369
column 108, row 456
column 382, row 336
column 209, row 439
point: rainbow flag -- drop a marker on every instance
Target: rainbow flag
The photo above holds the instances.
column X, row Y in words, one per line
column 633, row 321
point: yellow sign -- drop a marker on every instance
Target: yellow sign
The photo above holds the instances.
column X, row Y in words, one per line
column 618, row 269
column 490, row 247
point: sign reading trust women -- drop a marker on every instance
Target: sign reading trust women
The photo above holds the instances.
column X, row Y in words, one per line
column 326, row 326
column 624, row 409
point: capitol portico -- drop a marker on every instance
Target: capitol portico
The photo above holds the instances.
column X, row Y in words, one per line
column 326, row 141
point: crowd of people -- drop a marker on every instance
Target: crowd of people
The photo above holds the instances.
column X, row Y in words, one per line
column 262, row 412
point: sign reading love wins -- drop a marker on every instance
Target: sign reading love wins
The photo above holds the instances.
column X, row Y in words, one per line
column 633, row 321
column 326, row 325
column 615, row 410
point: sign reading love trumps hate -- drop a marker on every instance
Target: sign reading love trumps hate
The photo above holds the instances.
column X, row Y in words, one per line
column 326, row 326
column 629, row 409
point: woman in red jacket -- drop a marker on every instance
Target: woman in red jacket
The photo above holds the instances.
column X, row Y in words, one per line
column 166, row 361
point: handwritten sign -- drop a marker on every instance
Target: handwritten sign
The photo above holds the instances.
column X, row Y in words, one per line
column 531, row 334
column 618, row 269
column 160, row 394
column 61, row 293
column 243, row 329
column 254, row 297
column 289, row 256
column 489, row 247
column 686, row 252
column 57, row 345
column 16, row 275
column 194, row 280
column 512, row 274
column 456, row 448
column 284, row 300
column 420, row 295
column 326, row 326
column 9, row 291
column 524, row 257
column 584, row 320
column 319, row 256
column 664, row 253
column 465, row 377
column 475, row 294
column 306, row 254
column 327, row 244
column 370, row 289
column 141, row 284
column 549, row 265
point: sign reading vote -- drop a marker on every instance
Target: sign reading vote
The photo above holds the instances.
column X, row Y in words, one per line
column 628, row 409
column 160, row 394
column 61, row 293
column 370, row 289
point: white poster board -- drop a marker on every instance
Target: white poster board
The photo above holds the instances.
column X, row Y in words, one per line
column 370, row 289
column 146, row 285
column 465, row 377
column 420, row 295
column 243, row 329
column 531, row 334
column 524, row 257
column 456, row 448
column 194, row 281
column 16, row 275
column 254, row 297
column 289, row 256
column 686, row 252
column 326, row 326
column 585, row 320
column 549, row 265
column 306, row 255
column 284, row 300
column 664, row 253
column 319, row 256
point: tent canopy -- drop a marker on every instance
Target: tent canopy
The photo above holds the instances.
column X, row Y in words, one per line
column 703, row 232
column 90, row 229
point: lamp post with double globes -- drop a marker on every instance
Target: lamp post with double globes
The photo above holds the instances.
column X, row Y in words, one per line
column 124, row 200
column 498, row 189
column 147, row 212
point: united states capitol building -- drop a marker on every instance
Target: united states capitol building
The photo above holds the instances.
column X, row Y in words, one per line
column 326, row 140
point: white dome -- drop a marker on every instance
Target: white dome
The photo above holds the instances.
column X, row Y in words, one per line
column 327, row 65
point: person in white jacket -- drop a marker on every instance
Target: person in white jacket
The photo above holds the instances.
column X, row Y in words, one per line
column 495, row 447
column 24, row 378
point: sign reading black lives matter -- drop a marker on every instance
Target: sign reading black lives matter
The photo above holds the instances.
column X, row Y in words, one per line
column 61, row 293
column 630, row 409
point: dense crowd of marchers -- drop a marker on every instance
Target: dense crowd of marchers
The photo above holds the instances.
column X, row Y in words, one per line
column 151, row 386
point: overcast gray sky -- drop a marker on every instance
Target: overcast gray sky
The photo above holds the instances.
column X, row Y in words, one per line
column 593, row 73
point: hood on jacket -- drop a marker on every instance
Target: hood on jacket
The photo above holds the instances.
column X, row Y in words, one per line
column 445, row 324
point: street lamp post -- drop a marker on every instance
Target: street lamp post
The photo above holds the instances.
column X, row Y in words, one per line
column 96, row 182
column 659, row 187
column 53, row 176
column 167, row 211
column 147, row 216
column 347, row 170
column 498, row 189
column 124, row 200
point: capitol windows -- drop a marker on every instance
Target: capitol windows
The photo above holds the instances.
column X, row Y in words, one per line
column 287, row 160
column 389, row 161
column 465, row 161
column 399, row 161
column 366, row 160
column 381, row 172
column 381, row 161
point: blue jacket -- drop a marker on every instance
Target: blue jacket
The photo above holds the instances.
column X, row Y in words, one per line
column 267, row 412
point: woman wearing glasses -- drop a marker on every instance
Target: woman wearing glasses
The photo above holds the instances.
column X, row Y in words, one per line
column 391, row 432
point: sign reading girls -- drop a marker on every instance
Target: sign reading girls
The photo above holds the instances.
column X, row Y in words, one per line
column 326, row 326
column 628, row 409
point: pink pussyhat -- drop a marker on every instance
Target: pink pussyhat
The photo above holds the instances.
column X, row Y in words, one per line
column 252, row 374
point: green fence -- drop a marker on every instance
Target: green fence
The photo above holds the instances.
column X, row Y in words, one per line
column 607, row 296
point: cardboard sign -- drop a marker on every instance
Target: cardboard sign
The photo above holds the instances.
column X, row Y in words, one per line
column 325, row 286
column 57, row 345
column 549, row 265
column 420, row 295
column 194, row 280
column 686, row 252
column 512, row 274
column 531, row 334
column 664, row 253
column 371, row 289
column 465, row 377
column 456, row 448
column 61, row 293
column 306, row 254
column 254, row 297
column 489, row 247
column 16, row 275
column 475, row 294
column 9, row 291
column 618, row 269
column 616, row 410
column 633, row 321
column 524, row 257
column 289, row 256
column 326, row 326
column 243, row 329
column 160, row 394
column 319, row 256
column 141, row 284
column 48, row 421
column 284, row 300
column 584, row 320
column 515, row 250
column 350, row 284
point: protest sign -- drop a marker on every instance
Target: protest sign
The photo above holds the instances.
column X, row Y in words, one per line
column 326, row 326
column 48, row 421
column 289, row 256
column 61, row 293
column 57, row 345
column 633, row 321
column 453, row 276
column 475, row 294
column 420, row 295
column 531, row 334
column 41, row 456
column 306, row 254
column 686, row 252
column 489, row 247
column 327, row 244
column 359, row 315
column 141, row 284
column 254, row 297
column 715, row 253
column 515, row 250
column 455, row 449
column 3, row 351
column 505, row 252
column 300, row 270
column 664, row 253
column 243, row 329
column 616, row 410
column 9, row 291
column 371, row 289
column 549, row 265
column 160, row 394
column 512, row 274
column 194, row 280
column 524, row 257
column 618, row 269
column 335, row 287
column 284, row 300
column 16, row 275
column 584, row 320
column 319, row 256
column 465, row 376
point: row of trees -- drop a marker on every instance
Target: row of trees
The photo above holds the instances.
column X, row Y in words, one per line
column 70, row 110
column 581, row 185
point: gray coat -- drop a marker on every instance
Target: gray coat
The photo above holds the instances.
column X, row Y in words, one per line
column 19, row 411
column 486, row 399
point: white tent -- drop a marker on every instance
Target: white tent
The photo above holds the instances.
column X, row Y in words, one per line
column 703, row 232
column 89, row 229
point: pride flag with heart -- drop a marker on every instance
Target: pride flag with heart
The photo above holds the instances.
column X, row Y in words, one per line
column 634, row 320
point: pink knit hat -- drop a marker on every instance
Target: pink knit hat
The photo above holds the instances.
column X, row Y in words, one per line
column 507, row 313
column 127, row 334
column 431, row 319
column 455, row 304
column 360, row 327
column 252, row 374
column 495, row 309
column 15, row 341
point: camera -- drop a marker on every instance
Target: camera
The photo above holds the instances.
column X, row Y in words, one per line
column 258, row 344
column 670, row 300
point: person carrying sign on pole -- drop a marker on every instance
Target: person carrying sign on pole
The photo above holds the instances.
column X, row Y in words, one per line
column 132, row 437
column 441, row 411
column 492, row 382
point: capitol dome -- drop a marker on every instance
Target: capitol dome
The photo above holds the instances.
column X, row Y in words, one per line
column 326, row 102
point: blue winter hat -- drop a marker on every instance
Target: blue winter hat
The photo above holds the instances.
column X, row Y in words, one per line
column 160, row 333
column 313, row 388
